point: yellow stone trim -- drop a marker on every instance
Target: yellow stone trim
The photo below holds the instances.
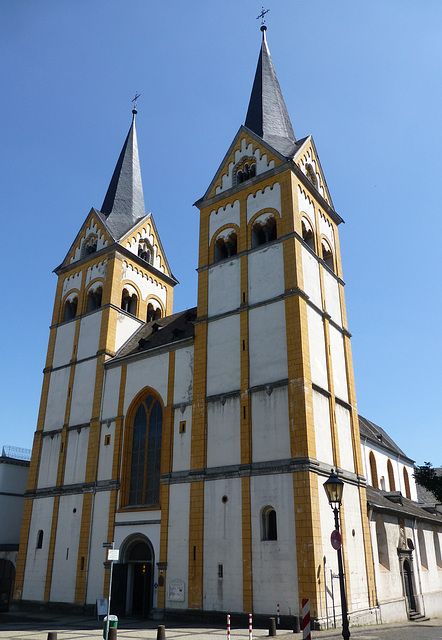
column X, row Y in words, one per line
column 198, row 454
column 196, row 545
column 83, row 548
column 50, row 561
column 166, row 467
column 57, row 301
column 308, row 537
column 23, row 549
column 369, row 563
column 34, row 466
column 247, row 566
column 118, row 440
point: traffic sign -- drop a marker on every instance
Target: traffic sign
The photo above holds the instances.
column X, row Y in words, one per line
column 336, row 540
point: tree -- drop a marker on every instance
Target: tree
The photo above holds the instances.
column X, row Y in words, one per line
column 429, row 479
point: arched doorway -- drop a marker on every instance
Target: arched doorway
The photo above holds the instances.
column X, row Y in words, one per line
column 7, row 575
column 132, row 585
column 409, row 589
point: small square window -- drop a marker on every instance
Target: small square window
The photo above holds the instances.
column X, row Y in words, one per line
column 220, row 571
column 107, row 439
column 183, row 426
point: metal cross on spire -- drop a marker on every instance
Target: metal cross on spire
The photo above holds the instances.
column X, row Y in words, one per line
column 137, row 95
column 262, row 14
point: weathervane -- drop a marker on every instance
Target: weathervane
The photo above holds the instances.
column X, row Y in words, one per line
column 137, row 95
column 262, row 14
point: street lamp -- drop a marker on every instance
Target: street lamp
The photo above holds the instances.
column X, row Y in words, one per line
column 334, row 488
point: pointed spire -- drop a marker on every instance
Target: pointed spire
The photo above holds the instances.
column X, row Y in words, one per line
column 124, row 201
column 267, row 115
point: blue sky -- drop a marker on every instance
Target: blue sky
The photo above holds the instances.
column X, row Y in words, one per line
column 363, row 78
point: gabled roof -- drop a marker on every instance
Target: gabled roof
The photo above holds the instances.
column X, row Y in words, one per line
column 374, row 434
column 394, row 502
column 267, row 115
column 123, row 204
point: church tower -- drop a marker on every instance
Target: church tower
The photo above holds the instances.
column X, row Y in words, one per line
column 114, row 279
column 274, row 406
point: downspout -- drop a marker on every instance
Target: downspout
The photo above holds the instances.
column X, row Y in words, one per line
column 419, row 564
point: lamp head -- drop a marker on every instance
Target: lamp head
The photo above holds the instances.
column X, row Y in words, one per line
column 334, row 488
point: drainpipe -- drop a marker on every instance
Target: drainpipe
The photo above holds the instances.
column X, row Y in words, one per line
column 419, row 564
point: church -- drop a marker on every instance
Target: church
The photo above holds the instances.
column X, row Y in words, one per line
column 198, row 442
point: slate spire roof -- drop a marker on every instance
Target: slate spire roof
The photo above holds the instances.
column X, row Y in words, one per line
column 267, row 115
column 123, row 205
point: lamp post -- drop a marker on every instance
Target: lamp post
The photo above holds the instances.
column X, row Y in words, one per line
column 334, row 488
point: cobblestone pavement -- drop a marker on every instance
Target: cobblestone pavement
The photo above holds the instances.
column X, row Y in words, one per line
column 17, row 626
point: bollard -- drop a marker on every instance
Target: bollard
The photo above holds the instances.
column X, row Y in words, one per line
column 52, row 635
column 161, row 633
column 296, row 625
column 112, row 635
column 272, row 627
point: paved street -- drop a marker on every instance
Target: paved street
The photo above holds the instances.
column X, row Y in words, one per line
column 16, row 626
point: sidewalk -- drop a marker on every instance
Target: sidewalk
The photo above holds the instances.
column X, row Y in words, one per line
column 35, row 626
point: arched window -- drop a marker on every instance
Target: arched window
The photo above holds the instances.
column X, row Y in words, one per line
column 373, row 471
column 89, row 246
column 145, row 250
column 40, row 539
column 437, row 549
column 94, row 299
column 245, row 171
column 263, row 232
column 225, row 247
column 327, row 255
column 407, row 484
column 422, row 547
column 391, row 481
column 382, row 543
column 307, row 234
column 145, row 453
column 153, row 313
column 311, row 175
column 70, row 309
column 268, row 524
column 129, row 302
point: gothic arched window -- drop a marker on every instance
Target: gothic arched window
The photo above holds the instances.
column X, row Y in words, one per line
column 268, row 523
column 382, row 543
column 144, row 454
column 407, row 484
column 373, row 471
column 391, row 481
column 94, row 299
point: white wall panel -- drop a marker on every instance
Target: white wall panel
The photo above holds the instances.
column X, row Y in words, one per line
column 321, row 418
column 36, row 559
column 126, row 326
column 182, row 441
column 270, row 425
column 344, row 436
column 57, row 395
column 223, row 432
column 266, row 273
column 183, row 375
column 178, row 542
column 267, row 344
column 275, row 572
column 224, row 287
column 98, row 555
column 332, row 301
column 50, row 452
column 64, row 343
column 148, row 372
column 83, row 392
column 222, row 545
column 76, row 456
column 223, row 355
column 106, row 455
column 269, row 198
column 338, row 364
column 88, row 341
column 222, row 216
column 64, row 570
column 317, row 348
column 111, row 393
column 310, row 270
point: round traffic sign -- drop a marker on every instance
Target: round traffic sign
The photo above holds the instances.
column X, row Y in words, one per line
column 336, row 540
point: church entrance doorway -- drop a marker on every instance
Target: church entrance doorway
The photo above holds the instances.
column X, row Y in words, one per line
column 7, row 575
column 409, row 591
column 132, row 588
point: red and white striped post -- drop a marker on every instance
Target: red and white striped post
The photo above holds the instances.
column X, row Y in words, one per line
column 277, row 614
column 250, row 627
column 306, row 633
column 228, row 626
